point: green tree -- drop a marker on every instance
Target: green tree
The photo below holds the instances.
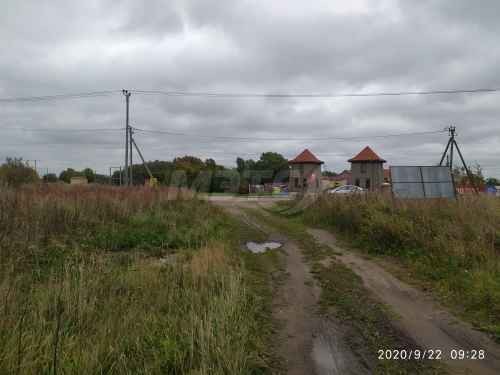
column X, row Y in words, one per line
column 188, row 171
column 240, row 165
column 329, row 173
column 271, row 167
column 67, row 174
column 89, row 173
column 273, row 162
column 14, row 172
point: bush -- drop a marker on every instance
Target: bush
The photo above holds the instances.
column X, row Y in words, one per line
column 14, row 173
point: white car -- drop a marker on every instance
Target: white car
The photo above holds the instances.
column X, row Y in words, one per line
column 346, row 189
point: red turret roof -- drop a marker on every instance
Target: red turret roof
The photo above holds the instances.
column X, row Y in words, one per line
column 306, row 156
column 367, row 154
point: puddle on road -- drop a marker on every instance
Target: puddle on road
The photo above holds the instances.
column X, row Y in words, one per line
column 262, row 247
column 323, row 356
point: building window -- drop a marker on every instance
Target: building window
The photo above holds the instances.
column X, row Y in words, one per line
column 363, row 167
column 296, row 182
column 367, row 184
column 357, row 182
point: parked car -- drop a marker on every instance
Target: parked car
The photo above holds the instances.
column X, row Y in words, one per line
column 346, row 189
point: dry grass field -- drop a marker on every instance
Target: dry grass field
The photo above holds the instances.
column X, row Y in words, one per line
column 102, row 280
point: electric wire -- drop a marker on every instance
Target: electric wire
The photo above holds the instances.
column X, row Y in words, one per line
column 209, row 94
column 63, row 129
column 91, row 94
column 313, row 95
column 327, row 138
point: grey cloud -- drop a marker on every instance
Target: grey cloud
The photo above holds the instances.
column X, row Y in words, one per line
column 238, row 46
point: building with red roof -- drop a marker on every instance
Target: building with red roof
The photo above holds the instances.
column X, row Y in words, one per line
column 366, row 155
column 367, row 169
column 305, row 173
column 306, row 157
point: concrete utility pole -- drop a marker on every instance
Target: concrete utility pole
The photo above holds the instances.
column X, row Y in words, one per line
column 451, row 130
column 451, row 145
column 131, row 177
column 127, row 142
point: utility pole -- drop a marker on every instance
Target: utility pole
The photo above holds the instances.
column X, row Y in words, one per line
column 127, row 130
column 451, row 145
column 131, row 177
column 451, row 131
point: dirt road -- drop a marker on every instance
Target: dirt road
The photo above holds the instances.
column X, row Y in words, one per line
column 313, row 344
column 309, row 343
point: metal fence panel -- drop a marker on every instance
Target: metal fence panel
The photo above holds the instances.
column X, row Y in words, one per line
column 422, row 182
column 436, row 174
column 405, row 174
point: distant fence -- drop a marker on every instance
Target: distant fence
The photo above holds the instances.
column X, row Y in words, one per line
column 422, row 182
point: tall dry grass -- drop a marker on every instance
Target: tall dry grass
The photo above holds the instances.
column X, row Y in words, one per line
column 71, row 305
column 452, row 245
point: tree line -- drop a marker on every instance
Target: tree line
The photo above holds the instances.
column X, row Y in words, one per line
column 193, row 172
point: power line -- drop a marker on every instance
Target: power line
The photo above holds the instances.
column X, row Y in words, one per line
column 91, row 94
column 64, row 129
column 313, row 95
column 228, row 138
column 58, row 143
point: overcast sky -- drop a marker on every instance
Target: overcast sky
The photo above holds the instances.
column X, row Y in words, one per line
column 58, row 47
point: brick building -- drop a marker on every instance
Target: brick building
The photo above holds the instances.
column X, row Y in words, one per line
column 367, row 170
column 305, row 173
